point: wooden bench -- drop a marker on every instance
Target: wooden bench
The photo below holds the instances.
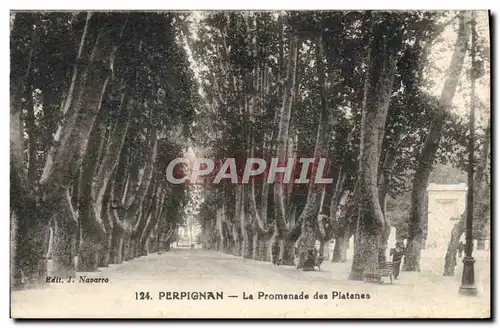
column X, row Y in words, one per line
column 386, row 269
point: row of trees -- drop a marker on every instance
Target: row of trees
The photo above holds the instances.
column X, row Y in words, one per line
column 100, row 103
column 349, row 86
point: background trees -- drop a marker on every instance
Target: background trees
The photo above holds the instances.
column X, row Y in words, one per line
column 284, row 112
column 95, row 105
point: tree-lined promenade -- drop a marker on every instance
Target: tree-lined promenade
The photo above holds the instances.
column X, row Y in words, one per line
column 103, row 102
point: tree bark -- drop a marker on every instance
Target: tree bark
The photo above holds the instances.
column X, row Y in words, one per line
column 65, row 229
column 384, row 45
column 387, row 167
column 220, row 229
column 340, row 248
column 90, row 229
column 148, row 209
column 107, row 219
column 246, row 244
column 157, row 210
column 116, row 245
column 30, row 129
column 236, row 223
column 338, row 223
column 104, row 256
column 126, row 248
column 284, row 124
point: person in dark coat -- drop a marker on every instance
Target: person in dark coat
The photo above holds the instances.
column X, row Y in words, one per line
column 461, row 248
column 397, row 255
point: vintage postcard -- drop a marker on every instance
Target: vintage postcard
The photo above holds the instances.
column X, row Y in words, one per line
column 250, row 164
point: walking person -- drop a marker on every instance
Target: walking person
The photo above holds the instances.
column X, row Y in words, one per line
column 461, row 248
column 397, row 255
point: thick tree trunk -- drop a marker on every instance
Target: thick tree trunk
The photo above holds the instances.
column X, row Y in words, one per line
column 126, row 248
column 339, row 249
column 262, row 232
column 338, row 223
column 90, row 250
column 262, row 242
column 105, row 252
column 324, row 248
column 29, row 261
column 107, row 219
column 167, row 237
column 386, row 176
column 279, row 201
column 265, row 249
column 148, row 210
column 91, row 233
column 220, row 230
column 287, row 251
column 310, row 211
column 29, row 224
column 152, row 221
column 209, row 235
column 417, row 216
column 30, row 129
column 415, row 228
column 116, row 247
column 385, row 43
column 256, row 251
column 236, row 246
column 134, row 248
column 236, row 228
column 246, row 250
column 65, row 229
column 365, row 259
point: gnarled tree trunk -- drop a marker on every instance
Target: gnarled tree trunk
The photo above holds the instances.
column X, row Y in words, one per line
column 282, row 232
column 384, row 45
column 64, row 243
